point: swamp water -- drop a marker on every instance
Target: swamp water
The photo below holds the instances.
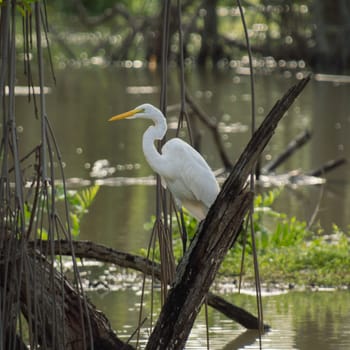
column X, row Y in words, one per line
column 79, row 107
column 299, row 320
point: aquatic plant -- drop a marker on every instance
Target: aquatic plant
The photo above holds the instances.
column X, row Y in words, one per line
column 289, row 252
column 79, row 203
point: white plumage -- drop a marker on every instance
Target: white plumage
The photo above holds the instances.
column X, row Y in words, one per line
column 182, row 169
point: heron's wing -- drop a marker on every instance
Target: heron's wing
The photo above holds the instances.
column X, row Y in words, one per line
column 188, row 175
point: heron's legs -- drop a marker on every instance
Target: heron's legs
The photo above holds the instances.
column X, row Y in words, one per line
column 183, row 232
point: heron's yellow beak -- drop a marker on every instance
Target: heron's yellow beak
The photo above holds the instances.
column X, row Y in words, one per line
column 125, row 115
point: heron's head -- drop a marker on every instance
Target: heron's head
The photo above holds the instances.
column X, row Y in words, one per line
column 145, row 110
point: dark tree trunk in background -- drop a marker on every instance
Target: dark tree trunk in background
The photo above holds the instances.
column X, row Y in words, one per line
column 210, row 47
column 332, row 35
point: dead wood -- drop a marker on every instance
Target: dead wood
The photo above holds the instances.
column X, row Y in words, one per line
column 68, row 319
column 327, row 167
column 294, row 145
column 234, row 312
column 215, row 235
column 99, row 252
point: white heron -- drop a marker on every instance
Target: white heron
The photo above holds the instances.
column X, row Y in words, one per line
column 182, row 169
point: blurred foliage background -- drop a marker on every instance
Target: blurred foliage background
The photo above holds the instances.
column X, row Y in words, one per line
column 317, row 32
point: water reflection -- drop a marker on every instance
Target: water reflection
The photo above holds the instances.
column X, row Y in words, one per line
column 299, row 320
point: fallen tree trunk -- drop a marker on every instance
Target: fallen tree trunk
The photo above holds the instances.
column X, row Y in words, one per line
column 99, row 252
column 215, row 235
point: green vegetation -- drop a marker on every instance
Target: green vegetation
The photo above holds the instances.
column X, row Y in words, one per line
column 303, row 32
column 79, row 203
column 289, row 252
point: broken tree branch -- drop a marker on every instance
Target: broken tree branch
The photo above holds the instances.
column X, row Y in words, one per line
column 241, row 316
column 295, row 144
column 327, row 167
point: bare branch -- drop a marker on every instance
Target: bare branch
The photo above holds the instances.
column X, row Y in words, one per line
column 99, row 252
column 295, row 144
column 328, row 166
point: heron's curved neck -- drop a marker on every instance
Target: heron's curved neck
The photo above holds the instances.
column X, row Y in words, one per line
column 154, row 132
